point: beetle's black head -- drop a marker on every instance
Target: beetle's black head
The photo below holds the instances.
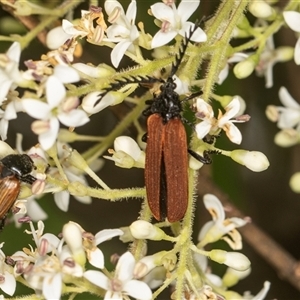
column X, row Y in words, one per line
column 21, row 165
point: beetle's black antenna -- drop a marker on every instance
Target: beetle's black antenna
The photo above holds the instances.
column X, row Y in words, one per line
column 184, row 43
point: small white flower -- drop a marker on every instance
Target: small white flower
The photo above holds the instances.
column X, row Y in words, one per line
column 261, row 295
column 91, row 25
column 9, row 69
column 174, row 21
column 219, row 227
column 94, row 254
column 211, row 125
column 292, row 18
column 269, row 57
column 123, row 31
column 10, row 113
column 8, row 281
column 289, row 114
column 58, row 107
column 47, row 272
column 122, row 282
column 127, row 153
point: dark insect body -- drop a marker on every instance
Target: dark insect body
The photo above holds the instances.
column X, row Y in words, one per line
column 14, row 169
column 166, row 167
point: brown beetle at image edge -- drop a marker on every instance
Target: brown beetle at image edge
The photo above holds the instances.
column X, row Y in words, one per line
column 14, row 169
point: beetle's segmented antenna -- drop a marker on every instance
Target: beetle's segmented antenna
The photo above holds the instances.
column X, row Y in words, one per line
column 119, row 83
column 184, row 43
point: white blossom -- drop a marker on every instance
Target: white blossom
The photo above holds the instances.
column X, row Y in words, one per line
column 123, row 30
column 9, row 70
column 57, row 109
column 220, row 227
column 292, row 18
column 211, row 125
column 174, row 21
column 122, row 282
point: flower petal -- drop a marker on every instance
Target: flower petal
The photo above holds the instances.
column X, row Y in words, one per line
column 52, row 286
column 163, row 12
column 118, row 52
column 96, row 258
column 202, row 129
column 287, row 100
column 162, row 38
column 8, row 286
column 131, row 12
column 62, row 200
column 48, row 138
column 74, row 118
column 125, row 266
column 36, row 109
column 186, row 8
column 297, row 52
column 107, row 234
column 292, row 18
column 215, row 207
column 233, row 133
column 138, row 290
column 97, row 278
column 14, row 52
column 127, row 145
column 66, row 74
column 55, row 91
column 56, row 37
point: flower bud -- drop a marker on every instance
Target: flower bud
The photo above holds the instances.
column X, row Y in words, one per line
column 287, row 137
column 234, row 260
column 121, row 159
column 148, row 263
column 73, row 237
column 254, row 160
column 145, row 230
column 272, row 113
column 100, row 71
column 94, row 102
column 76, row 160
column 194, row 163
column 261, row 9
column 295, row 182
column 56, row 37
column 232, row 277
column 245, row 68
column 284, row 53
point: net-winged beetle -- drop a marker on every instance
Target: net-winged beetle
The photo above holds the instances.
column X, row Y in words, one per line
column 166, row 168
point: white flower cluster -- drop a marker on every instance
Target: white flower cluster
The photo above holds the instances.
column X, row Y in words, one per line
column 55, row 266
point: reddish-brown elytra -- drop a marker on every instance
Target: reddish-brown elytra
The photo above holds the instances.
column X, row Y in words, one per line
column 166, row 168
column 14, row 168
